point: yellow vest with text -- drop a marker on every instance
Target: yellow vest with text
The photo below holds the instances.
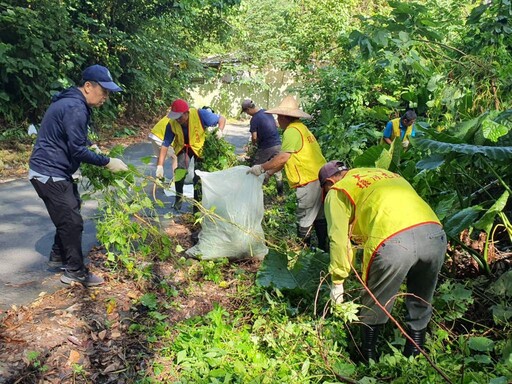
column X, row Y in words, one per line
column 368, row 206
column 196, row 134
column 302, row 167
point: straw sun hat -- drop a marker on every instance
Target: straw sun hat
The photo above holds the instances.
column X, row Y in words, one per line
column 289, row 107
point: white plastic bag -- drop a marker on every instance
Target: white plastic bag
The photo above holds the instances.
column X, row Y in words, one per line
column 238, row 200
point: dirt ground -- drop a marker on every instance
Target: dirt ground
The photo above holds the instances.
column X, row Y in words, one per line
column 81, row 335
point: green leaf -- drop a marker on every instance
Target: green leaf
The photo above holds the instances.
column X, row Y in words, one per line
column 302, row 279
column 388, row 101
column 502, row 286
column 433, row 82
column 461, row 220
column 486, row 222
column 344, row 369
column 481, row 344
column 492, row 130
column 493, row 153
column 149, row 300
column 501, row 313
column 432, row 162
column 371, row 156
column 404, row 36
column 499, row 380
column 179, row 174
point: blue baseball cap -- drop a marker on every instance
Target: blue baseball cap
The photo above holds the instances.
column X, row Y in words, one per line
column 100, row 75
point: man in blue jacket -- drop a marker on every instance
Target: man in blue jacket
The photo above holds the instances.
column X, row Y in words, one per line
column 61, row 146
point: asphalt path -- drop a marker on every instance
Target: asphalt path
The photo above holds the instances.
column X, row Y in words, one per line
column 26, row 231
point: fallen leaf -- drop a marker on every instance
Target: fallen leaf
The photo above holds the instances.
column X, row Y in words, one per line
column 116, row 335
column 102, row 334
column 111, row 368
column 75, row 341
column 74, row 357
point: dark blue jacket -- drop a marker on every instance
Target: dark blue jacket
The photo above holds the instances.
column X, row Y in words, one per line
column 62, row 142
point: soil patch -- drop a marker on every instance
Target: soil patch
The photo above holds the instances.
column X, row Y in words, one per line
column 80, row 335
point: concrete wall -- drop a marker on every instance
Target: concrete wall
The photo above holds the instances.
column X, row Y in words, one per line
column 225, row 95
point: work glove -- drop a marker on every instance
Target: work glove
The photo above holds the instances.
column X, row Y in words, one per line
column 95, row 149
column 337, row 293
column 116, row 165
column 159, row 172
column 256, row 170
column 405, row 144
column 219, row 133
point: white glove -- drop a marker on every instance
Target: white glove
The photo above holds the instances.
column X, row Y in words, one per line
column 405, row 143
column 95, row 149
column 256, row 170
column 159, row 172
column 116, row 165
column 219, row 133
column 337, row 293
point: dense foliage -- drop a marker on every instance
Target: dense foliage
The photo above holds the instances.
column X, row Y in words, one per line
column 149, row 46
column 358, row 65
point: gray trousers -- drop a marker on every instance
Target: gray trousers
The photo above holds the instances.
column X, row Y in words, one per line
column 415, row 255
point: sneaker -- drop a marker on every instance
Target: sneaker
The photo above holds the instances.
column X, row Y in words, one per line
column 55, row 261
column 82, row 276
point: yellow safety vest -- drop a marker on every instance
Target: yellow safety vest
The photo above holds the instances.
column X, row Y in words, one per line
column 159, row 128
column 396, row 130
column 196, row 134
column 303, row 166
column 370, row 205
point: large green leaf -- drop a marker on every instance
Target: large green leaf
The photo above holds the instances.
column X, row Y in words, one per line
column 464, row 219
column 481, row 344
column 369, row 157
column 467, row 128
column 487, row 221
column 302, row 279
column 432, row 162
column 493, row 130
column 494, row 153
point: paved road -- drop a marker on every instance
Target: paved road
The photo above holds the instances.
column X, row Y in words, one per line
column 26, row 232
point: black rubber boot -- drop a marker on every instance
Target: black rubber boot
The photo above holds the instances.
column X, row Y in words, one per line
column 179, row 194
column 198, row 193
column 321, row 234
column 369, row 336
column 280, row 188
column 419, row 337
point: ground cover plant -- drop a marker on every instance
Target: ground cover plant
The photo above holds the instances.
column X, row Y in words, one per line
column 166, row 318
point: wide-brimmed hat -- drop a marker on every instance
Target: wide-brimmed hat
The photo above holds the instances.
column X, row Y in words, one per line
column 289, row 107
column 329, row 170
